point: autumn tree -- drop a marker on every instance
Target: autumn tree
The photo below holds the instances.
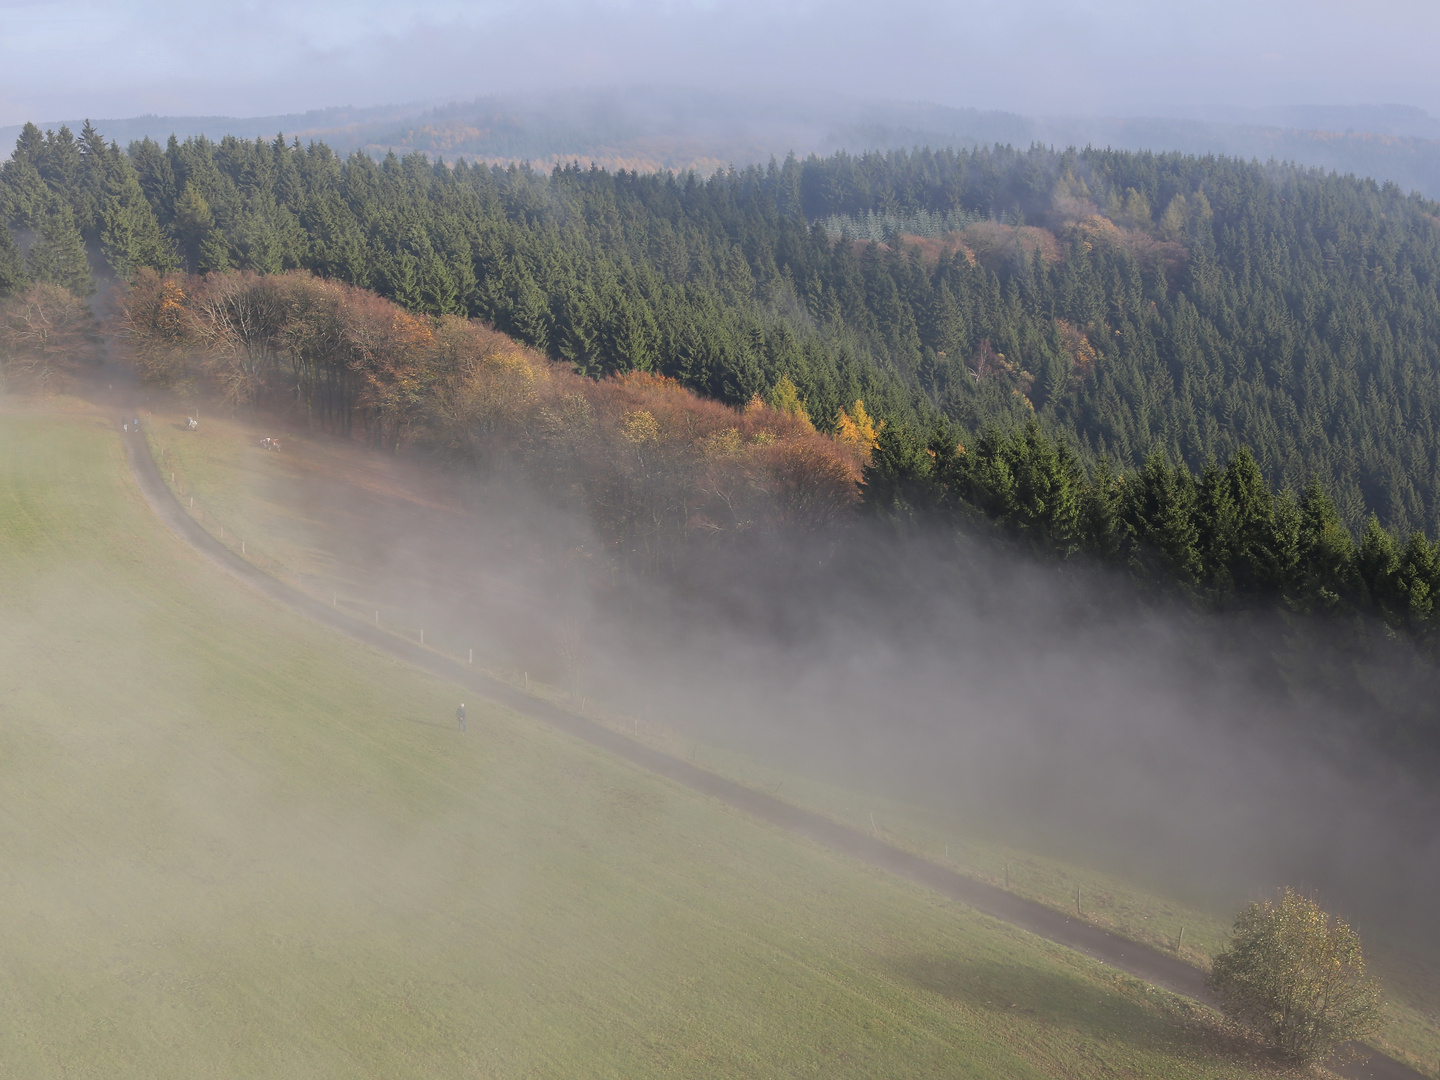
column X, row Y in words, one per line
column 485, row 391
column 1296, row 976
column 156, row 327
column 786, row 398
column 45, row 332
column 811, row 483
column 239, row 318
column 859, row 431
column 389, row 351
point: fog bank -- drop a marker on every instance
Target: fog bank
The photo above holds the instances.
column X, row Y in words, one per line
column 1048, row 703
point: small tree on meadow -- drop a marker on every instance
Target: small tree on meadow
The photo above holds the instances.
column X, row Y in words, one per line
column 1296, row 976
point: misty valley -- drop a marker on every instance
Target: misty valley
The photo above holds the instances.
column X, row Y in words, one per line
column 938, row 610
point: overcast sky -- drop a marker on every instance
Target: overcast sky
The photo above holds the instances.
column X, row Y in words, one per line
column 1126, row 57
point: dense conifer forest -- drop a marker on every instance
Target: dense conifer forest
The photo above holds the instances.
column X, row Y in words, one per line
column 1222, row 375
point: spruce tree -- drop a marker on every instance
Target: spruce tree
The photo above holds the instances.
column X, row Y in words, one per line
column 58, row 255
column 130, row 236
column 12, row 264
column 89, row 194
column 214, row 253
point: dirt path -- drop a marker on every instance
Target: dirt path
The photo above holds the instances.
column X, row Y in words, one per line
column 1153, row 966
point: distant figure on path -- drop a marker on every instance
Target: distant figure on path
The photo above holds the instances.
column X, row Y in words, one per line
column 460, row 716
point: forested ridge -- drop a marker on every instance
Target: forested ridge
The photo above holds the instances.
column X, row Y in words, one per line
column 1213, row 371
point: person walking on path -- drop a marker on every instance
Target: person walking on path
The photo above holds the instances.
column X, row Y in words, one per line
column 460, row 716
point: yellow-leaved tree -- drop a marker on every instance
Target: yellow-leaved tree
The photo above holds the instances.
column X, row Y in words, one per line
column 858, row 431
column 786, row 398
column 1296, row 976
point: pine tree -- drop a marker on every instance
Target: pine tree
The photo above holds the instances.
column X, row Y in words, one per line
column 130, row 237
column 95, row 168
column 1253, row 560
column 58, row 255
column 12, row 264
column 194, row 224
column 1160, row 516
column 214, row 254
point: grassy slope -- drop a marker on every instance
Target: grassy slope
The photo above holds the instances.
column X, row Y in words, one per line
column 243, row 488
column 235, row 844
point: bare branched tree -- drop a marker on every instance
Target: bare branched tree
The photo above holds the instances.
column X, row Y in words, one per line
column 240, row 319
column 45, row 333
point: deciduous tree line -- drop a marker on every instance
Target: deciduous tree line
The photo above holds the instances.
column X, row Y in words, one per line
column 652, row 461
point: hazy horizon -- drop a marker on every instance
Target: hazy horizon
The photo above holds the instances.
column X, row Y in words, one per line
column 1042, row 57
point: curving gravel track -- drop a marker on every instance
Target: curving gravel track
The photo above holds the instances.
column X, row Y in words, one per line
column 1153, row 966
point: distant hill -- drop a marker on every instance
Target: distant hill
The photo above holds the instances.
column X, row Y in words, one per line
column 654, row 128
column 329, row 124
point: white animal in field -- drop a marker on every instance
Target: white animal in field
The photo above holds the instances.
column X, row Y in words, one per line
column 270, row 444
column 191, row 423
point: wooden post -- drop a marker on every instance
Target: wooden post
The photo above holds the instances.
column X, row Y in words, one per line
column 1007, row 875
column 334, row 599
column 1180, row 944
column 872, row 823
column 1077, row 899
column 242, row 547
column 377, row 618
column 472, row 657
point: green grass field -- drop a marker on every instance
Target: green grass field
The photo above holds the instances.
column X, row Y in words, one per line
column 243, row 489
column 236, row 844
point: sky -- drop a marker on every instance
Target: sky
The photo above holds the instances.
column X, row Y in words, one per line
column 1115, row 57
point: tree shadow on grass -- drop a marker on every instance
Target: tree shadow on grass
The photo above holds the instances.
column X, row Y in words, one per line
column 1118, row 1008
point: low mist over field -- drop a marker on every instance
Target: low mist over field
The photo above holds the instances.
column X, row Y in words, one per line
column 1050, row 704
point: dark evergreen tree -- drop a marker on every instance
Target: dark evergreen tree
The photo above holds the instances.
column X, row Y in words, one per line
column 12, row 264
column 130, row 237
column 58, row 253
